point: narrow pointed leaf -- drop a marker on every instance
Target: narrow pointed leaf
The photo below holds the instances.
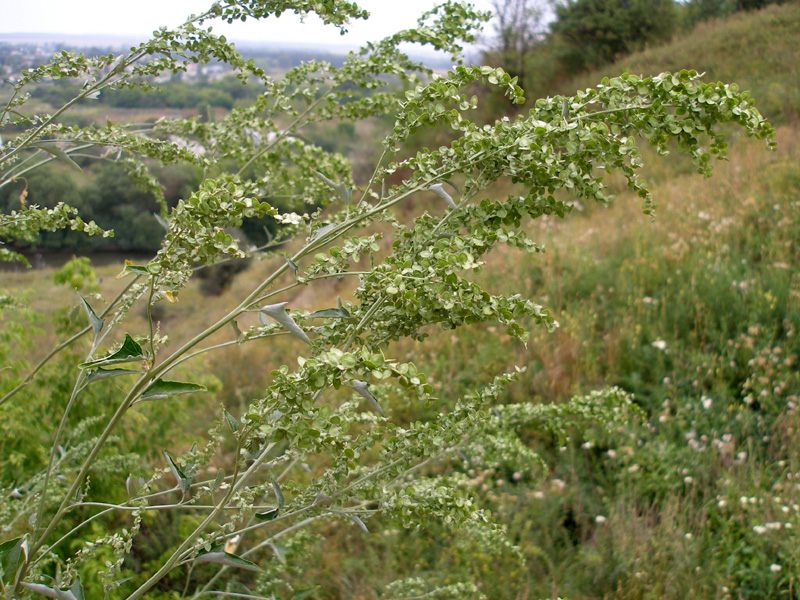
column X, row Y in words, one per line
column 300, row 594
column 359, row 523
column 77, row 589
column 97, row 322
column 291, row 264
column 452, row 185
column 362, row 388
column 322, row 231
column 55, row 150
column 280, row 552
column 236, row 330
column 99, row 374
column 268, row 515
column 49, row 592
column 232, row 423
column 278, row 312
column 218, row 481
column 438, row 189
column 278, row 493
column 130, row 351
column 340, row 188
column 164, row 389
column 227, row 559
column 183, row 481
column 161, row 221
column 330, row 313
column 130, row 487
column 13, row 554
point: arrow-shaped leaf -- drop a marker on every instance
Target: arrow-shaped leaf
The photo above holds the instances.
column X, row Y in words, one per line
column 164, row 389
column 278, row 312
column 220, row 478
column 227, row 559
column 161, row 221
column 49, row 592
column 291, row 264
column 359, row 523
column 438, row 189
column 280, row 552
column 232, row 423
column 13, row 554
column 278, row 493
column 363, row 390
column 268, row 515
column 77, row 589
column 331, row 313
column 97, row 322
column 183, row 481
column 99, row 374
column 55, row 150
column 130, row 351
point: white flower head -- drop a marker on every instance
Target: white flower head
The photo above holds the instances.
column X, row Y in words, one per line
column 659, row 344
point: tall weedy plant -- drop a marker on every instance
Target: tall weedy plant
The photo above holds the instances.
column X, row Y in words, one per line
column 250, row 515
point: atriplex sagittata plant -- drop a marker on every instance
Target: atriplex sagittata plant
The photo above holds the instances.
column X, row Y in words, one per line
column 251, row 515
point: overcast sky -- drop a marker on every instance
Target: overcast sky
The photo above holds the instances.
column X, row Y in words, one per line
column 140, row 17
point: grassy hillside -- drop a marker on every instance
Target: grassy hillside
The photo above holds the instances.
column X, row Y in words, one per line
column 760, row 51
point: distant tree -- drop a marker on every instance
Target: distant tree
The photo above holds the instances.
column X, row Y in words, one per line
column 702, row 10
column 597, row 31
column 519, row 25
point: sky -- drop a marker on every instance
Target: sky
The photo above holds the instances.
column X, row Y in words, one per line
column 141, row 17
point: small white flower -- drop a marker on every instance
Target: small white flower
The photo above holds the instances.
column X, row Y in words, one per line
column 291, row 218
column 707, row 402
column 774, row 525
column 775, row 568
column 600, row 520
column 760, row 529
column 659, row 344
column 688, row 480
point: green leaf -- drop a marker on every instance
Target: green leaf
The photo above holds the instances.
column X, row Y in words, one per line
column 99, row 374
column 49, row 592
column 130, row 351
column 218, row 481
column 280, row 552
column 161, row 221
column 164, row 389
column 232, row 423
column 299, row 594
column 278, row 493
column 236, row 329
column 268, row 515
column 227, row 559
column 77, row 589
column 13, row 554
column 97, row 322
column 55, row 150
column 359, row 523
column 331, row 313
column 291, row 264
column 183, row 481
